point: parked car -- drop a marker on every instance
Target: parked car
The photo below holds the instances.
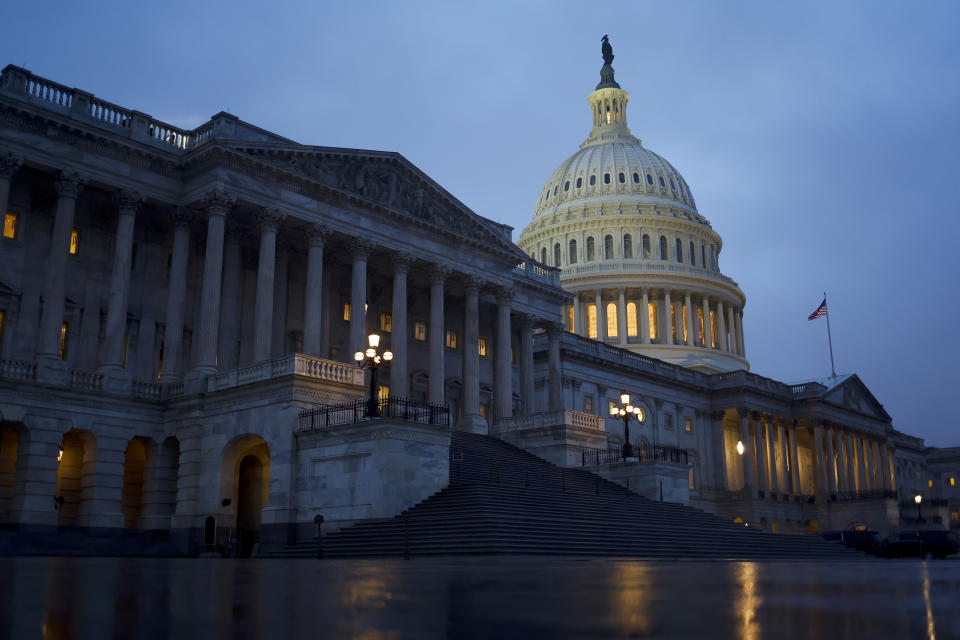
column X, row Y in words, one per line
column 866, row 541
column 920, row 544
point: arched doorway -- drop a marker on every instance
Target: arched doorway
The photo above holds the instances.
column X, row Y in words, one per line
column 134, row 470
column 9, row 443
column 76, row 449
column 811, row 528
column 249, row 504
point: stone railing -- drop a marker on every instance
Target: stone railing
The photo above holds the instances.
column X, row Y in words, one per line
column 79, row 104
column 613, row 353
column 294, row 364
column 632, row 266
column 538, row 272
column 86, row 380
column 18, row 370
column 567, row 417
column 146, row 390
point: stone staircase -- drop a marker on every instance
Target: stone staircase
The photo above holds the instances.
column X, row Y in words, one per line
column 504, row 500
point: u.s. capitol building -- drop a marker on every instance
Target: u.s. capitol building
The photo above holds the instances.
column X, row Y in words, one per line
column 180, row 312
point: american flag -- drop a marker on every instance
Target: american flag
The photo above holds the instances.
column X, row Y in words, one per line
column 820, row 312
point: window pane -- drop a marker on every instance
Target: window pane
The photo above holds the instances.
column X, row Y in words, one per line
column 700, row 321
column 74, row 242
column 713, row 328
column 632, row 319
column 571, row 326
column 611, row 320
column 592, row 321
column 10, row 225
column 652, row 319
column 346, row 312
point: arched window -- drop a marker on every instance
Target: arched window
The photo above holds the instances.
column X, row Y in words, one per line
column 608, row 248
column 632, row 319
column 555, row 191
column 592, row 321
column 649, row 179
column 591, row 249
column 556, row 255
column 662, row 184
column 646, row 246
column 611, row 320
column 700, row 319
column 579, row 182
column 673, row 187
column 652, row 320
column 622, row 178
column 679, row 250
column 593, row 180
column 572, row 255
column 606, row 178
column 636, row 178
column 627, row 246
column 693, row 254
column 703, row 256
column 566, row 186
column 663, row 247
column 713, row 328
column 571, row 327
column 543, row 255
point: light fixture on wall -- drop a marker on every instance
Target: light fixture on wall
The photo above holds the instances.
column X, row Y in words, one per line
column 59, row 454
column 740, row 447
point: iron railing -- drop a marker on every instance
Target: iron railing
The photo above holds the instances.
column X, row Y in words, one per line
column 358, row 410
column 643, row 452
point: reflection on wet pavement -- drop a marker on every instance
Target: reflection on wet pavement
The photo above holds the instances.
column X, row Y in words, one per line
column 497, row 597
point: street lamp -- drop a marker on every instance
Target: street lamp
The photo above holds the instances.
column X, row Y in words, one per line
column 626, row 411
column 918, row 499
column 373, row 359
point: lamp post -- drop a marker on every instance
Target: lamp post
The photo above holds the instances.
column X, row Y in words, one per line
column 626, row 412
column 918, row 499
column 372, row 358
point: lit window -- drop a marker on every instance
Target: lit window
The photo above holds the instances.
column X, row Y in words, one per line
column 611, row 320
column 693, row 484
column 930, row 484
column 652, row 319
column 592, row 321
column 10, row 225
column 74, row 242
column 673, row 321
column 483, row 411
column 346, row 312
column 482, row 347
column 954, row 516
column 609, row 115
column 420, row 331
column 64, row 332
column 713, row 329
column 632, row 319
column 513, row 355
column 688, row 425
column 700, row 321
column 451, row 339
column 588, row 403
column 953, row 481
column 571, row 327
column 684, row 318
column 383, row 392
column 386, row 322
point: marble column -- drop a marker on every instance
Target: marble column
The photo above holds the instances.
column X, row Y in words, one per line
column 230, row 309
column 577, row 323
column 554, row 391
column 280, row 294
column 527, row 385
column 68, row 186
column 742, row 347
column 722, row 342
column 772, row 453
column 399, row 336
column 720, row 446
column 622, row 316
column 731, row 331
column 855, row 483
column 360, row 250
column 266, row 277
column 763, row 472
column 707, row 327
column 786, row 479
column 601, row 316
column 668, row 322
column 217, row 203
column 504, row 371
column 794, row 460
column 831, row 465
column 864, row 465
column 127, row 204
column 313, row 295
column 690, row 338
column 747, row 457
column 176, row 291
column 436, row 334
column 645, row 318
column 875, row 459
column 471, row 354
column 841, row 460
column 819, row 463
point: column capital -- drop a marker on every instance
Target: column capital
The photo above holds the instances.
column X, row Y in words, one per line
column 9, row 165
column 69, row 185
column 218, row 201
column 402, row 261
column 553, row 329
column 472, row 284
column 439, row 273
column 318, row 234
column 504, row 295
column 270, row 218
column 181, row 217
column 527, row 321
column 743, row 411
column 128, row 201
column 717, row 414
column 360, row 247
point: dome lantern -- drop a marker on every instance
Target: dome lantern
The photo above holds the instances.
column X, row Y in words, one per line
column 608, row 103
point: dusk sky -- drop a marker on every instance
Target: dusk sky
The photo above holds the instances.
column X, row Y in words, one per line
column 820, row 139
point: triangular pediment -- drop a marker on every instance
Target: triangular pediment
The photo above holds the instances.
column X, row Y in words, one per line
column 390, row 181
column 852, row 394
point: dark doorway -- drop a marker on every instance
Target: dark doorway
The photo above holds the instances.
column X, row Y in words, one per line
column 249, row 504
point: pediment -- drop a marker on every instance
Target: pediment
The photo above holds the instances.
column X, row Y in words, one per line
column 390, row 181
column 853, row 395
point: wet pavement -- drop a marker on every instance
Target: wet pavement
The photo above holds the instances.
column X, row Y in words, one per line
column 485, row 597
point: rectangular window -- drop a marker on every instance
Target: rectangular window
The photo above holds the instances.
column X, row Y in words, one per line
column 953, row 481
column 668, row 421
column 673, row 321
column 955, row 516
column 588, row 403
column 482, row 347
column 64, row 332
column 688, row 425
column 652, row 319
column 386, row 322
column 346, row 312
column 592, row 321
column 74, row 242
column 930, row 484
column 10, row 225
column 683, row 317
column 483, row 411
column 713, row 329
column 611, row 405
column 420, row 331
column 451, row 339
column 383, row 392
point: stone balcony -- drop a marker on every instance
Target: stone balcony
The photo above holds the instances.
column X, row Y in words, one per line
column 566, row 417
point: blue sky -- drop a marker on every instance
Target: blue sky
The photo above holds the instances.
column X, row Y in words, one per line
column 818, row 138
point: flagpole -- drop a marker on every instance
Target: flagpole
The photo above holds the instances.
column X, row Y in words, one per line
column 826, row 312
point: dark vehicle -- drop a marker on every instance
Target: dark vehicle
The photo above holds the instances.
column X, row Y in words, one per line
column 920, row 544
column 866, row 541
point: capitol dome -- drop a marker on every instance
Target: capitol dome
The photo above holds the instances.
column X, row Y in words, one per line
column 622, row 225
